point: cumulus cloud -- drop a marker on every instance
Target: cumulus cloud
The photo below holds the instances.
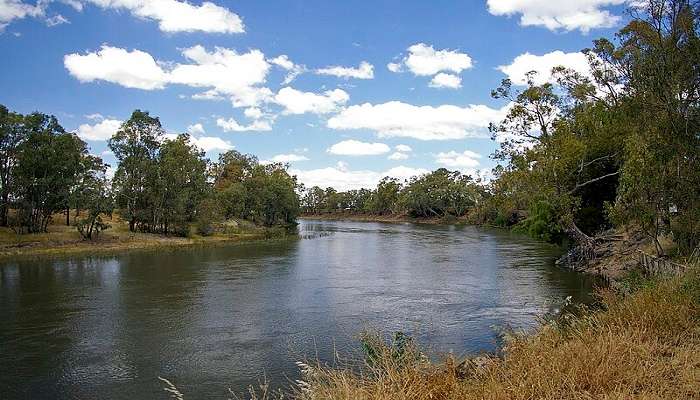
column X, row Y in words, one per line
column 357, row 148
column 524, row 63
column 99, row 131
column 443, row 80
column 180, row 16
column 396, row 156
column 403, row 148
column 394, row 67
column 231, row 125
column 223, row 71
column 298, row 102
column 253, row 113
column 583, row 15
column 364, row 71
column 288, row 158
column 398, row 119
column 210, row 94
column 293, row 70
column 204, row 143
column 342, row 178
column 227, row 72
column 133, row 69
column 424, row 60
column 211, row 143
column 195, row 129
column 11, row 10
column 453, row 159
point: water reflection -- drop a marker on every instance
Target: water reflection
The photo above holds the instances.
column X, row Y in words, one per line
column 210, row 319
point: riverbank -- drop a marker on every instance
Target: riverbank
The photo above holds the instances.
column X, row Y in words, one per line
column 62, row 240
column 644, row 345
column 391, row 218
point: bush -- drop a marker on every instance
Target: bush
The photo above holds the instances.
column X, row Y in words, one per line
column 91, row 227
column 541, row 224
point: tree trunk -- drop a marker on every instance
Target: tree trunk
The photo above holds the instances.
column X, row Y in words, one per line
column 68, row 216
column 585, row 243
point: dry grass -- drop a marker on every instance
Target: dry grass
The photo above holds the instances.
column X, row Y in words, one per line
column 643, row 346
column 62, row 240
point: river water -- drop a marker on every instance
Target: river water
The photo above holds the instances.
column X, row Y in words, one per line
column 210, row 319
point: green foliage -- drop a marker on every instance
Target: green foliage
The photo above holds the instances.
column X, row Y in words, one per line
column 263, row 193
column 541, row 223
column 440, row 194
column 96, row 197
column 48, row 161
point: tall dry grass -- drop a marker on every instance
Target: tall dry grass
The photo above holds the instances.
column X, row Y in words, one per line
column 645, row 345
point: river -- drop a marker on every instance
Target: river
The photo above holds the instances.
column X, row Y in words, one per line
column 215, row 318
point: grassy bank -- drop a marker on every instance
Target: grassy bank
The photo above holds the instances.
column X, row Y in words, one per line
column 63, row 240
column 645, row 345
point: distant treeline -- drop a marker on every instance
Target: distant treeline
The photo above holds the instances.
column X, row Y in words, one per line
column 160, row 185
column 582, row 152
column 440, row 193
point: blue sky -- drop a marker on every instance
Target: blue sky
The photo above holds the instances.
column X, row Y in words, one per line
column 347, row 117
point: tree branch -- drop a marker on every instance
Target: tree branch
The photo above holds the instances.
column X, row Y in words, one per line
column 580, row 185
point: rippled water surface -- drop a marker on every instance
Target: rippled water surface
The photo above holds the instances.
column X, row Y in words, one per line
column 210, row 319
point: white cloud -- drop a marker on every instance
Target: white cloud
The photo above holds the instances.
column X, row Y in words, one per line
column 403, row 148
column 293, row 70
column 95, row 116
column 288, row 158
column 57, row 19
column 357, row 148
column 16, row 9
column 76, row 4
column 180, row 16
column 424, row 60
column 443, row 80
column 398, row 156
column 210, row 94
column 205, row 143
column 132, row 69
column 453, row 159
column 211, row 143
column 227, row 72
column 397, row 119
column 100, row 131
column 524, row 63
column 394, row 67
column 231, row 125
column 342, row 178
column 364, row 71
column 253, row 113
column 224, row 71
column 298, row 102
column 195, row 129
column 559, row 15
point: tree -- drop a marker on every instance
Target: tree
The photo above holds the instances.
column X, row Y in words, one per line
column 183, row 184
column 385, row 199
column 11, row 134
column 659, row 53
column 136, row 147
column 97, row 199
column 48, row 162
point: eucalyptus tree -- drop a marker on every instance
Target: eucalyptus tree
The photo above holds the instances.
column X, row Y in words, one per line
column 183, row 184
column 11, row 134
column 136, row 146
column 49, row 159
